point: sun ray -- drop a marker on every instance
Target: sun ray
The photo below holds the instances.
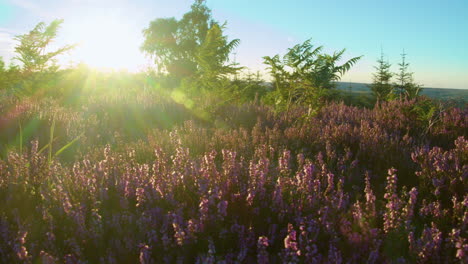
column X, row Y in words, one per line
column 105, row 41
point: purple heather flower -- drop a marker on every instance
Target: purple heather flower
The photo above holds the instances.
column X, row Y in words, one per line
column 145, row 254
column 222, row 208
column 262, row 253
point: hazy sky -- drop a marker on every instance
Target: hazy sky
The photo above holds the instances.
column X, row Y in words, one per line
column 433, row 33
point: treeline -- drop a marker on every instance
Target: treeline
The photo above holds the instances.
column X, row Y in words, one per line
column 194, row 65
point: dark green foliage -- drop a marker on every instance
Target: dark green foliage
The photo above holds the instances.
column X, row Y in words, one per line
column 381, row 86
column 405, row 86
column 251, row 87
column 193, row 47
column 427, row 112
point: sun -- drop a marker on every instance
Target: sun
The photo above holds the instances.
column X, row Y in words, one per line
column 106, row 42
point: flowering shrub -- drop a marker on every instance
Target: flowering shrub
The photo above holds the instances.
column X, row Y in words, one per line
column 346, row 185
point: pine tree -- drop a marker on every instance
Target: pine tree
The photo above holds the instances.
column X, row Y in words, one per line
column 381, row 86
column 405, row 86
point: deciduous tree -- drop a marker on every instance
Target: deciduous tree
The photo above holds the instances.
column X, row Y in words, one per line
column 193, row 46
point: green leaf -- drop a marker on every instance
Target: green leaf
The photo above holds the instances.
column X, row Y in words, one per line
column 68, row 145
column 52, row 128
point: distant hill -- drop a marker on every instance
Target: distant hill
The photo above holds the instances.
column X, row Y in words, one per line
column 445, row 94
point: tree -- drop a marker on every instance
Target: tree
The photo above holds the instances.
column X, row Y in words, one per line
column 39, row 69
column 32, row 49
column 305, row 74
column 10, row 76
column 212, row 55
column 405, row 83
column 2, row 74
column 381, row 86
column 191, row 47
column 2, row 65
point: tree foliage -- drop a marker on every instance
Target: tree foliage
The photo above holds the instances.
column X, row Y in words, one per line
column 33, row 48
column 305, row 74
column 9, row 76
column 2, row 74
column 39, row 66
column 213, row 53
column 381, row 86
column 193, row 46
column 405, row 85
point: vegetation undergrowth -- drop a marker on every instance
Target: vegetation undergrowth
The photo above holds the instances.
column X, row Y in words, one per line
column 195, row 162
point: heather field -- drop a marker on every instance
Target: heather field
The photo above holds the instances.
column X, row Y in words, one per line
column 141, row 132
column 344, row 185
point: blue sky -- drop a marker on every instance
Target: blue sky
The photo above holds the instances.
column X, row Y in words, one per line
column 433, row 33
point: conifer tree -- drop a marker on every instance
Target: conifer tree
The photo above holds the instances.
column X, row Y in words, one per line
column 405, row 86
column 381, row 86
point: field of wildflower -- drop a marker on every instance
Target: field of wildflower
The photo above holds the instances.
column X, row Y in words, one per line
column 144, row 180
